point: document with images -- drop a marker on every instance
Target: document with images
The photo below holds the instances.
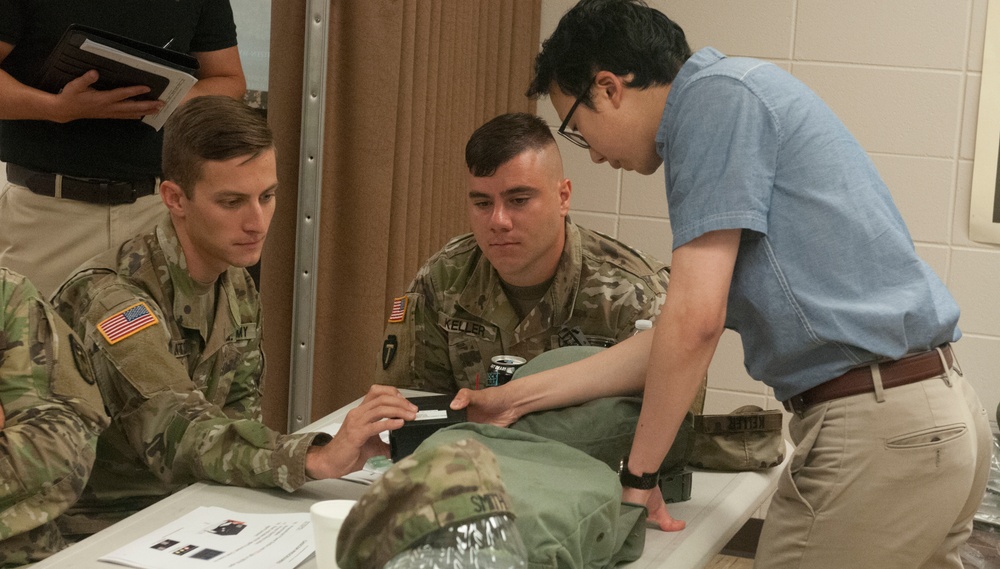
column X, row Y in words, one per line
column 215, row 537
column 178, row 82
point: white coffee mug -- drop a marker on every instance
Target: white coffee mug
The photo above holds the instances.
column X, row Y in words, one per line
column 327, row 517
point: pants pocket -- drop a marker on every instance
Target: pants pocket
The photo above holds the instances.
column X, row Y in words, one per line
column 927, row 437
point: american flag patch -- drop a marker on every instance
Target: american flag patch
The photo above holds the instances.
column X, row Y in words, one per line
column 398, row 313
column 119, row 326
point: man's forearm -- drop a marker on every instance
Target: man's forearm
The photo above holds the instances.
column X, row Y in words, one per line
column 21, row 102
column 684, row 341
column 675, row 373
column 54, row 453
column 619, row 370
column 220, row 73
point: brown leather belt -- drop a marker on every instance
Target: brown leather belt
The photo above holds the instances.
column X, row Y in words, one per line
column 909, row 369
column 90, row 190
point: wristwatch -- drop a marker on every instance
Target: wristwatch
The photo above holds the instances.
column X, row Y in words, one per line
column 644, row 481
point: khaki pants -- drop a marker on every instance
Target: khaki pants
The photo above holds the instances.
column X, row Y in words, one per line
column 46, row 238
column 881, row 484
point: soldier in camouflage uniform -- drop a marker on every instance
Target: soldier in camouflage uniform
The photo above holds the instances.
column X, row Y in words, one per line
column 525, row 281
column 50, row 418
column 173, row 326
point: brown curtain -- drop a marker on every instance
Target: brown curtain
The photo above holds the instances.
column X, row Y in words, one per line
column 407, row 83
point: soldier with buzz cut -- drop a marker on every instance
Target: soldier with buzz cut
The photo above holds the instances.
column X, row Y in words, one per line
column 50, row 417
column 172, row 322
column 526, row 280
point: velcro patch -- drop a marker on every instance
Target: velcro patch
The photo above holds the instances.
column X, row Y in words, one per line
column 398, row 313
column 389, row 350
column 121, row 325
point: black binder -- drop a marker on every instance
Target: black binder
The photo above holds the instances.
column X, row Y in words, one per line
column 68, row 61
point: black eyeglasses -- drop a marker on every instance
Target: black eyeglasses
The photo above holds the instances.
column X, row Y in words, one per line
column 575, row 137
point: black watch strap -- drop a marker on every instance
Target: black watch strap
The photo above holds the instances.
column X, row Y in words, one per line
column 645, row 481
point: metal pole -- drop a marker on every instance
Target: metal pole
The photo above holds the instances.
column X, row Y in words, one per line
column 307, row 233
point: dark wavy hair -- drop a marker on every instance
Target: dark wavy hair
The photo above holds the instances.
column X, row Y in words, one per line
column 620, row 36
column 502, row 138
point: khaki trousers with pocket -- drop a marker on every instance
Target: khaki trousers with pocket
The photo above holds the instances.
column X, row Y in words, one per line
column 881, row 484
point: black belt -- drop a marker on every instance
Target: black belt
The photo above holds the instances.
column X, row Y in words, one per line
column 908, row 369
column 90, row 190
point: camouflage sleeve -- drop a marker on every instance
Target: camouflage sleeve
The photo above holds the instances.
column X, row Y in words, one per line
column 645, row 303
column 657, row 295
column 415, row 350
column 53, row 413
column 167, row 419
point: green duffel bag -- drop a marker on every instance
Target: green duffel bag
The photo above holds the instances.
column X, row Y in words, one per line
column 603, row 428
column 567, row 504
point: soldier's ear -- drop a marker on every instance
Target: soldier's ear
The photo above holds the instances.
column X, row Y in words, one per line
column 172, row 196
column 565, row 191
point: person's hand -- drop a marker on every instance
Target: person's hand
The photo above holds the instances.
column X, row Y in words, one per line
column 3, row 418
column 383, row 408
column 78, row 100
column 486, row 406
column 657, row 509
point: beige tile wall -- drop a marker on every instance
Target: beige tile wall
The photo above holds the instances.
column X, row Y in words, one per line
column 904, row 76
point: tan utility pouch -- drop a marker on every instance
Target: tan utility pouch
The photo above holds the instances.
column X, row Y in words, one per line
column 749, row 438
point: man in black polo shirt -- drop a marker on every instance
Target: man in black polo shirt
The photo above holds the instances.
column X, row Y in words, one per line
column 90, row 147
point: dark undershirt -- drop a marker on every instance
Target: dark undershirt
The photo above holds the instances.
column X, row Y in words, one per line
column 524, row 298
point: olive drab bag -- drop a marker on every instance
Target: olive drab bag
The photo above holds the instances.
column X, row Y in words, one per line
column 602, row 428
column 749, row 438
column 567, row 504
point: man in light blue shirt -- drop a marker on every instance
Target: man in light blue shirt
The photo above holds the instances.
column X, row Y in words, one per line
column 784, row 232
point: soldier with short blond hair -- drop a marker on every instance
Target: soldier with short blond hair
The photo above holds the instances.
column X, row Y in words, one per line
column 172, row 321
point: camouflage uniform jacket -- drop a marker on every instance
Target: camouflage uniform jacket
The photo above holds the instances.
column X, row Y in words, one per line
column 53, row 417
column 456, row 317
column 184, row 403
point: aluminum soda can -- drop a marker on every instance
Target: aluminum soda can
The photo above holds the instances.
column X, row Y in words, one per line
column 502, row 369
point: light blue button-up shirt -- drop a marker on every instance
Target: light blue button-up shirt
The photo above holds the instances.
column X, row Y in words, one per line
column 826, row 277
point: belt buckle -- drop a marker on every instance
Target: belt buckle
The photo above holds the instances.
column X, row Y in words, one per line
column 119, row 193
column 795, row 404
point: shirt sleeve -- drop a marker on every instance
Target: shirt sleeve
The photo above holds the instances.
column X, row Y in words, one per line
column 651, row 299
column 415, row 350
column 216, row 28
column 52, row 409
column 11, row 20
column 170, row 423
column 629, row 285
column 721, row 159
